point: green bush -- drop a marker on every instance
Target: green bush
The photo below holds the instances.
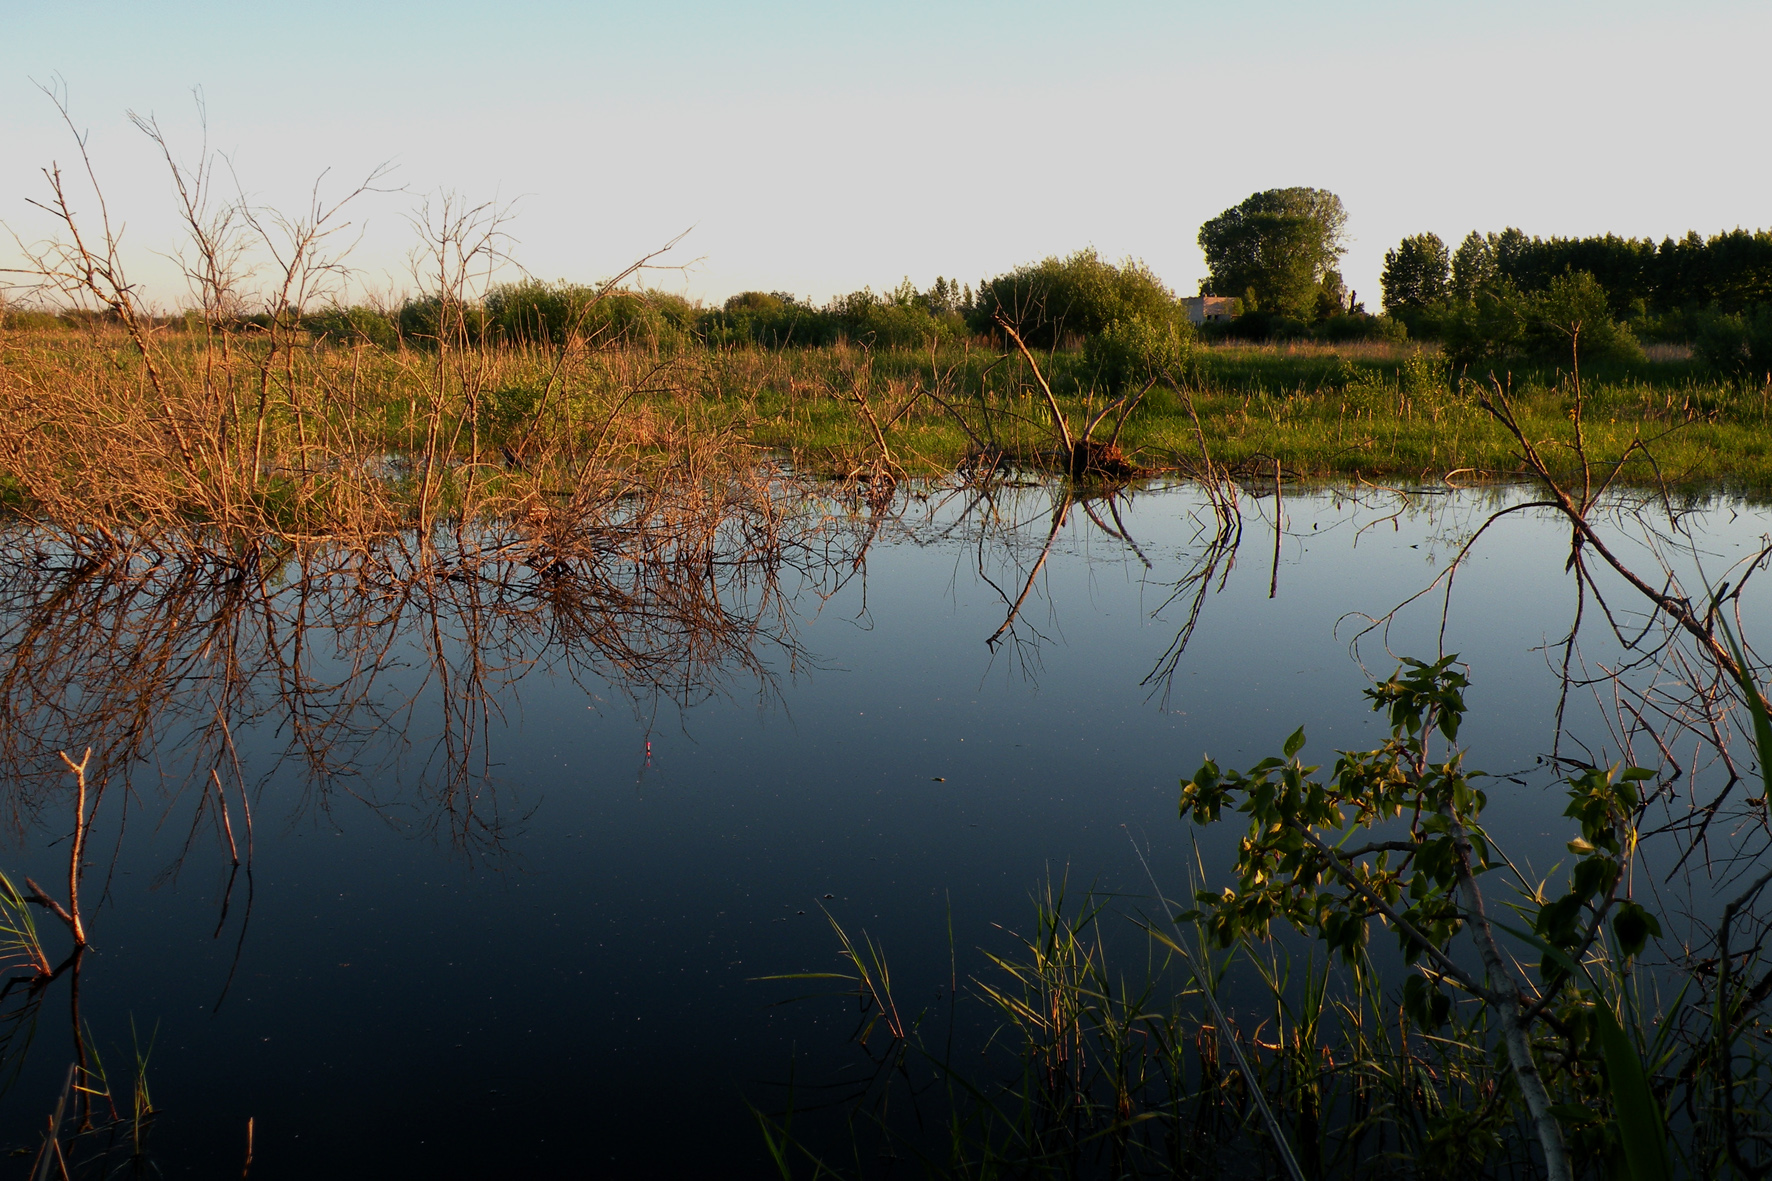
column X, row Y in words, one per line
column 1485, row 328
column 1257, row 324
column 1502, row 323
column 22, row 318
column 353, row 325
column 1077, row 296
column 773, row 319
column 532, row 312
column 1575, row 311
column 1360, row 326
column 1737, row 345
column 1130, row 352
column 902, row 318
column 544, row 314
column 1426, row 322
column 890, row 321
column 426, row 319
column 503, row 410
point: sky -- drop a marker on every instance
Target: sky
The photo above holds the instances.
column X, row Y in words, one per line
column 818, row 148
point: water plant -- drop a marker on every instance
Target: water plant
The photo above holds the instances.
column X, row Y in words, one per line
column 1421, row 883
column 1517, row 1029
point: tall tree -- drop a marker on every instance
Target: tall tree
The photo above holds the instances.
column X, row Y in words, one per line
column 1473, row 266
column 1415, row 274
column 1279, row 248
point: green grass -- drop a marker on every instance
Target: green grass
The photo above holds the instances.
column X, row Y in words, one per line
column 1359, row 411
column 284, row 442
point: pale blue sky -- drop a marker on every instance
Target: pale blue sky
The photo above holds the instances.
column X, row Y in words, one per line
column 819, row 148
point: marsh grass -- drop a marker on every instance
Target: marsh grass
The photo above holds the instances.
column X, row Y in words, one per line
column 1363, row 411
column 21, row 947
column 1123, row 1045
column 308, row 439
column 1105, row 1060
column 348, row 444
column 99, row 1127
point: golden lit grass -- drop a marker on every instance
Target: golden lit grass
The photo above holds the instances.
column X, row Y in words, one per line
column 311, row 440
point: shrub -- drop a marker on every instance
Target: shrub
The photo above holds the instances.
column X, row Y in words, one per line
column 21, row 318
column 1427, row 322
column 1575, row 310
column 1501, row 322
column 1738, row 345
column 773, row 319
column 532, row 312
column 1131, row 352
column 1485, row 328
column 353, row 325
column 1360, row 326
column 759, row 302
column 545, row 313
column 1258, row 325
column 426, row 319
column 1077, row 296
column 902, row 318
column 897, row 320
column 503, row 410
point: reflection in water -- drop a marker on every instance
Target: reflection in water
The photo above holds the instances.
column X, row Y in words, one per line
column 382, row 670
column 381, row 675
column 1655, row 601
column 156, row 661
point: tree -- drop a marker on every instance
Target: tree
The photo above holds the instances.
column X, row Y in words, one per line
column 1473, row 267
column 1278, row 250
column 1415, row 274
column 1572, row 317
column 1569, row 320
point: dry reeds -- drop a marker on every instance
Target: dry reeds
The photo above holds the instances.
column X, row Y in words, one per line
column 238, row 427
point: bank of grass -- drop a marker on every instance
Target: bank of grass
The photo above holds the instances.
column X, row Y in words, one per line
column 1376, row 410
column 306, row 438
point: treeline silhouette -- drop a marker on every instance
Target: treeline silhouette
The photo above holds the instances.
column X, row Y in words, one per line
column 1510, row 294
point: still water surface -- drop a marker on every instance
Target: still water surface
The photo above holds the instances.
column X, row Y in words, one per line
column 519, row 852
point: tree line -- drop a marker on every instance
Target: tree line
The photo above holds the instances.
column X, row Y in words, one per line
column 1276, row 255
column 1128, row 324
column 1507, row 294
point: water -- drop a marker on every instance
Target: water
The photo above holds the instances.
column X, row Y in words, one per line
column 522, row 845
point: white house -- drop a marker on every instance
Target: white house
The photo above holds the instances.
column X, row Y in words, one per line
column 1203, row 308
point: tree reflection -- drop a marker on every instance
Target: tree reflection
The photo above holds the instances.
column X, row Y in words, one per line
column 377, row 673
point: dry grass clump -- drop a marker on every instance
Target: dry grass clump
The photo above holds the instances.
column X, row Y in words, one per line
column 155, row 432
column 236, row 423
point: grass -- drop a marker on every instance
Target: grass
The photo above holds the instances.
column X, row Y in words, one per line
column 1322, row 412
column 297, row 439
column 295, row 442
column 1105, row 1060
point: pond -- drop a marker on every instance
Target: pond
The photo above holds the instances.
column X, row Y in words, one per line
column 479, row 870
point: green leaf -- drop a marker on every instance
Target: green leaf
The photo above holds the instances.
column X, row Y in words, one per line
column 1755, row 706
column 1574, row 1114
column 1639, row 1116
column 1640, row 1124
column 1633, row 925
column 1295, row 743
